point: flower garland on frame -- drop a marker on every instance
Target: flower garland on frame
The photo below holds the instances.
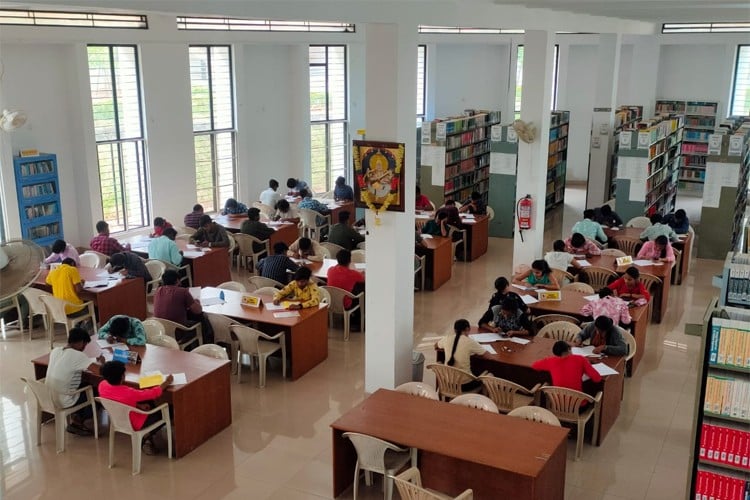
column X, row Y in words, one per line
column 395, row 181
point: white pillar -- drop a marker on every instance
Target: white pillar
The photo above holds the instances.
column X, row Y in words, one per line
column 605, row 102
column 644, row 73
column 390, row 98
column 532, row 158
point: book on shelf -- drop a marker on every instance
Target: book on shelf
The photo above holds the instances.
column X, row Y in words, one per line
column 727, row 396
column 715, row 486
column 726, row 445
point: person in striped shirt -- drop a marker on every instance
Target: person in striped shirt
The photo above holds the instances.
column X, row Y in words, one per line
column 276, row 266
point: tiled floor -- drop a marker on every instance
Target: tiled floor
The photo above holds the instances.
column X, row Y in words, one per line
column 279, row 445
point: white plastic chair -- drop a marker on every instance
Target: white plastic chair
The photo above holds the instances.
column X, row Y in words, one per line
column 490, row 212
column 358, row 256
column 333, row 248
column 566, row 405
column 153, row 329
column 325, row 297
column 419, row 268
column 381, row 457
column 639, row 222
column 91, row 260
column 164, row 341
column 450, row 380
column 102, row 258
column 309, row 223
column 462, row 241
column 170, row 330
column 235, row 286
column 212, row 351
column 578, row 286
column 261, row 282
column 507, row 395
column 248, row 257
column 409, row 486
column 188, row 272
column 46, row 403
column 614, row 252
column 476, row 401
column 186, row 230
column 119, row 421
column 56, row 315
column 257, row 344
column 156, row 269
column 536, row 414
column 266, row 290
column 221, row 325
column 36, row 307
column 559, row 330
column 15, row 304
column 336, row 306
column 266, row 210
column 419, row 389
column 632, row 347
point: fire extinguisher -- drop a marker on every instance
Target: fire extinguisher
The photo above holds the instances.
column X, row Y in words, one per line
column 523, row 214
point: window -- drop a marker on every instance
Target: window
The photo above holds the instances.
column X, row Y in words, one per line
column 705, row 27
column 238, row 24
column 71, row 19
column 519, row 80
column 328, row 115
column 212, row 94
column 464, row 30
column 421, row 82
column 118, row 127
column 741, row 83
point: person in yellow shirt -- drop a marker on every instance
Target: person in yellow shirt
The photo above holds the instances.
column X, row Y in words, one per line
column 303, row 291
column 66, row 284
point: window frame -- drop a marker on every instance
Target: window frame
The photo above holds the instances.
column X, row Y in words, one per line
column 730, row 108
column 420, row 116
column 555, row 80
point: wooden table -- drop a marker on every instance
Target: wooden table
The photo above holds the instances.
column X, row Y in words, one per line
column 124, row 296
column 200, row 409
column 516, row 367
column 439, row 261
column 684, row 245
column 286, row 232
column 320, row 269
column 477, row 234
column 459, row 447
column 335, row 207
column 306, row 334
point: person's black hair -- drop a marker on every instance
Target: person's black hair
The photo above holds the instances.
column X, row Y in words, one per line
column 560, row 347
column 344, row 216
column 501, row 283
column 605, row 291
column 340, row 180
column 633, row 272
column 606, row 210
column 76, row 335
column 442, row 214
column 588, row 213
column 450, row 203
column 59, row 246
column 170, row 233
column 282, row 205
column 603, row 323
column 159, row 221
column 117, row 259
column 344, row 257
column 475, row 195
column 509, row 304
column 680, row 215
column 661, row 240
column 119, row 326
column 205, row 219
column 305, row 243
column 541, row 265
column 253, row 214
column 304, row 193
column 417, row 190
column 170, row 277
column 303, row 273
column 577, row 240
column 558, row 246
column 69, row 261
column 112, row 372
column 291, row 182
column 230, row 203
column 197, row 207
column 273, row 184
column 101, row 226
column 279, row 248
column 458, row 327
column 655, row 219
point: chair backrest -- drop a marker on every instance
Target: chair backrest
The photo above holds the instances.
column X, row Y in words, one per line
column 42, row 393
column 361, row 245
column 490, row 212
column 563, row 402
column 186, row 230
column 639, row 222
column 450, row 379
column 502, row 392
column 91, row 260
column 614, row 252
column 325, row 297
column 55, row 308
column 220, row 324
column 332, row 248
column 596, row 276
column 546, row 319
column 266, row 210
column 632, row 346
column 249, row 338
column 536, row 414
column 119, row 414
column 235, row 286
column 358, row 256
column 419, row 261
column 164, row 340
column 452, row 230
column 261, row 282
column 370, row 451
column 628, row 245
column 245, row 244
column 326, row 253
column 232, row 244
column 183, row 237
column 309, row 218
column 562, row 277
column 651, row 282
column 560, row 330
column 33, row 298
column 418, row 389
column 212, row 351
column 103, row 258
column 337, row 298
column 579, row 287
column 476, row 401
column 153, row 328
column 266, row 290
column 409, row 486
column 155, row 268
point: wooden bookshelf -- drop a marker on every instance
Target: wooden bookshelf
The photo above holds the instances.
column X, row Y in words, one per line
column 625, row 118
column 38, row 191
column 557, row 159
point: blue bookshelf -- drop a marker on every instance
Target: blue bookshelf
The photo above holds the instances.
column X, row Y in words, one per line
column 38, row 191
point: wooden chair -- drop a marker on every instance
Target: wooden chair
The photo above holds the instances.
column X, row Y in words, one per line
column 419, row 389
column 628, row 245
column 566, row 405
column 419, row 268
column 579, row 287
column 545, row 319
column 336, row 306
column 639, row 222
column 560, row 330
column 562, row 277
column 460, row 241
column 477, row 401
column 536, row 414
column 597, row 277
column 409, row 486
column 248, row 256
column 614, row 252
column 507, row 395
column 450, row 380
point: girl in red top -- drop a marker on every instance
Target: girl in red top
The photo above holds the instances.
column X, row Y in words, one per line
column 629, row 286
column 160, row 224
column 567, row 369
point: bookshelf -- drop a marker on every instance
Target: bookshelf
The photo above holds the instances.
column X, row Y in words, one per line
column 455, row 156
column 503, row 165
column 625, row 117
column 700, row 122
column 38, row 191
column 557, row 159
column 647, row 167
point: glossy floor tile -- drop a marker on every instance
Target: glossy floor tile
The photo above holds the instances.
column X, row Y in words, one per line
column 279, row 445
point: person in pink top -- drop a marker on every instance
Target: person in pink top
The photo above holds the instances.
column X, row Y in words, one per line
column 608, row 305
column 62, row 250
column 658, row 250
column 578, row 244
column 112, row 387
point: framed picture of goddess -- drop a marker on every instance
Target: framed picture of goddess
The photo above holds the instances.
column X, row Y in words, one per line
column 379, row 175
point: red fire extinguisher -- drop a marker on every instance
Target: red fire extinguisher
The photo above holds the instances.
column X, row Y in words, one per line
column 523, row 214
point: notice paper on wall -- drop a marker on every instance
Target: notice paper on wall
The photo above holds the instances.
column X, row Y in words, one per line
column 503, row 163
column 717, row 176
column 633, row 169
column 434, row 156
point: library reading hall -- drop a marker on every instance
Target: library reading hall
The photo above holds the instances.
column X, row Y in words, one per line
column 364, row 249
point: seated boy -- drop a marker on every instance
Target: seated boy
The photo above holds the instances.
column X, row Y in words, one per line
column 301, row 290
column 305, row 248
column 66, row 285
column 123, row 329
column 565, row 368
column 578, row 244
column 605, row 336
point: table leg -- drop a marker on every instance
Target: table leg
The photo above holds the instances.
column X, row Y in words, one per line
column 639, row 333
column 344, row 460
column 307, row 344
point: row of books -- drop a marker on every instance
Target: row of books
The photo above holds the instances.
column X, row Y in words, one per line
column 41, row 210
column 41, row 167
column 738, row 287
column 558, row 145
column 43, row 231
column 39, row 189
column 558, row 132
column 466, row 138
column 555, row 159
column 730, row 343
column 712, row 486
column 697, row 136
column 728, row 396
column 466, row 152
column 699, row 148
column 626, row 114
column 725, row 445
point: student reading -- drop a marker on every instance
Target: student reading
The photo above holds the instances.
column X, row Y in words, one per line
column 459, row 348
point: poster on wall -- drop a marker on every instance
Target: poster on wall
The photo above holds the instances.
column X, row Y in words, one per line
column 379, row 174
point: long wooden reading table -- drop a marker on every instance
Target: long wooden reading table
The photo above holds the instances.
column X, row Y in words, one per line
column 439, row 261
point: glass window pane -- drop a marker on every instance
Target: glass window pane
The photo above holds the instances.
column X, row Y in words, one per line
column 102, row 98
column 128, row 98
column 337, row 83
column 221, row 88
column 318, row 93
column 336, row 152
column 519, row 78
column 134, row 176
column 204, row 175
column 318, row 157
column 110, row 181
column 421, row 78
column 741, row 90
column 199, row 89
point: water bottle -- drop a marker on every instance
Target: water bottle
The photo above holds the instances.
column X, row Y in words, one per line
column 221, row 295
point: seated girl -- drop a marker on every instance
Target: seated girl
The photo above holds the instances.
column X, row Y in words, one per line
column 539, row 276
column 508, row 319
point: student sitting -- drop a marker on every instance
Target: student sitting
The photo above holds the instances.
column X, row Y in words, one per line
column 657, row 229
column 276, row 266
column 629, row 286
column 344, row 235
column 346, row 278
column 422, row 202
column 608, row 305
column 61, row 251
column 285, row 212
column 160, row 224
column 579, row 245
column 130, row 265
column 604, row 336
column 123, row 329
column 677, row 221
column 558, row 258
column 658, row 250
column 301, row 289
column 452, row 213
column 605, row 216
column 566, row 369
column 66, row 285
column 437, row 226
column 255, row 228
column 210, row 234
column 309, row 203
column 233, row 207
column 112, row 387
column 305, row 248
column 193, row 219
column 539, row 276
column 459, row 348
column 502, row 292
column 474, row 205
column 296, row 186
column 176, row 303
column 508, row 319
column 589, row 228
column 342, row 191
column 270, row 196
column 105, row 244
column 164, row 248
column 64, row 375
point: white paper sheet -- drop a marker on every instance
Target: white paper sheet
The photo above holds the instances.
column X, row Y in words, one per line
column 503, row 163
column 642, row 262
column 528, row 299
column 192, row 254
column 604, row 370
column 467, row 216
column 179, row 379
column 584, row 263
column 489, row 349
column 360, row 266
column 522, row 287
column 301, row 261
column 273, row 307
column 195, row 291
column 286, row 314
column 96, row 283
column 211, row 301
column 614, row 228
column 103, row 343
column 583, row 351
column 485, row 337
column 519, row 340
column 426, row 236
column 592, row 298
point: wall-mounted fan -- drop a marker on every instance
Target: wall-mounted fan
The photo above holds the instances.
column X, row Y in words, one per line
column 19, row 266
column 525, row 131
column 11, row 120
